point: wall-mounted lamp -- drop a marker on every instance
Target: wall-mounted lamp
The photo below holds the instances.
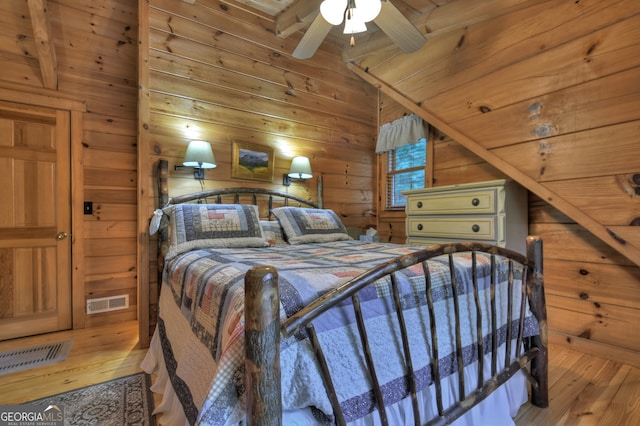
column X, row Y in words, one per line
column 300, row 169
column 199, row 156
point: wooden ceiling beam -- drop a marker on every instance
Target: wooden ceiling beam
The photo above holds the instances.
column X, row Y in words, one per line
column 296, row 17
column 44, row 43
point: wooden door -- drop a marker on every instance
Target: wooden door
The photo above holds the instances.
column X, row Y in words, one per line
column 35, row 220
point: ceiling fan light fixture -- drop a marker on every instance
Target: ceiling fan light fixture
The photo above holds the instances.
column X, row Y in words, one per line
column 386, row 16
column 353, row 23
column 368, row 10
column 333, row 11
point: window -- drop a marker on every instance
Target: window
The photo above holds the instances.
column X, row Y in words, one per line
column 405, row 170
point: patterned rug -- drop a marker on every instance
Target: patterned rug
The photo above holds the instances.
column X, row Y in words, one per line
column 118, row 402
column 23, row 359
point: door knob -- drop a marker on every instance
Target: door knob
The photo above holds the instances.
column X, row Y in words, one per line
column 61, row 235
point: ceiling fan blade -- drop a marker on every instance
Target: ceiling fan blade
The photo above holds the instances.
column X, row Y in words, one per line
column 398, row 28
column 313, row 38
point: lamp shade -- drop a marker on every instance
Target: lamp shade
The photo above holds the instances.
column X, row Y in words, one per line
column 353, row 22
column 368, row 10
column 199, row 154
column 300, row 168
column 333, row 11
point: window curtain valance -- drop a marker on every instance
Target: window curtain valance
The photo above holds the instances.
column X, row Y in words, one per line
column 403, row 131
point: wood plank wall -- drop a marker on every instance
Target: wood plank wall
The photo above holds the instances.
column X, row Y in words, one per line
column 213, row 71
column 210, row 65
column 592, row 292
column 552, row 89
column 95, row 45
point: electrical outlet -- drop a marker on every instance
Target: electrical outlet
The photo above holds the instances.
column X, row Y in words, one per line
column 88, row 207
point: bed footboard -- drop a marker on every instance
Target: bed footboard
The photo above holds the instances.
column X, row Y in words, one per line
column 263, row 330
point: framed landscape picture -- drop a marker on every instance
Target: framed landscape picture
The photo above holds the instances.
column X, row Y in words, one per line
column 252, row 162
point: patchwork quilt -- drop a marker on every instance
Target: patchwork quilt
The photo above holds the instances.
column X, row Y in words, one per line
column 207, row 286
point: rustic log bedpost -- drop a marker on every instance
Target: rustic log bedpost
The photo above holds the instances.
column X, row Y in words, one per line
column 163, row 198
column 535, row 288
column 262, row 347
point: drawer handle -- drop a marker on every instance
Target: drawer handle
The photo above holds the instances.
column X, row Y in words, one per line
column 475, row 202
column 419, row 227
column 475, row 228
column 419, row 204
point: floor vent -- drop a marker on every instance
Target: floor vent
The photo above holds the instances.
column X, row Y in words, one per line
column 106, row 304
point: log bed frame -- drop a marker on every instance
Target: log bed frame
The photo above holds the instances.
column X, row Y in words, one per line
column 264, row 328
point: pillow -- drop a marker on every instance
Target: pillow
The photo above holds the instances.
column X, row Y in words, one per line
column 272, row 232
column 195, row 226
column 304, row 225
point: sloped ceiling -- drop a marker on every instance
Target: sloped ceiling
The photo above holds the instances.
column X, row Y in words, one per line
column 539, row 89
column 548, row 92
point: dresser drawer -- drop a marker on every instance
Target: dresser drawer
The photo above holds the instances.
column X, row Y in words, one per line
column 493, row 212
column 465, row 228
column 482, row 201
column 418, row 241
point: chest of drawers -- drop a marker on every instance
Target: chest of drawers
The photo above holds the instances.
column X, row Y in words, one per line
column 494, row 212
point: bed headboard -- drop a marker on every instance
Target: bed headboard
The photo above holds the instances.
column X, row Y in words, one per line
column 234, row 196
column 231, row 195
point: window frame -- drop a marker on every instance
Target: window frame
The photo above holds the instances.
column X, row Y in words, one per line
column 383, row 161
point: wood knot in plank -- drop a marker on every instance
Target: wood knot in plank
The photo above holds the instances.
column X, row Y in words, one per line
column 543, row 131
column 629, row 184
column 534, row 110
column 589, row 53
column 585, row 334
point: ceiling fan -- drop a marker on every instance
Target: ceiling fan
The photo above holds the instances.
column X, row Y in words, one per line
column 355, row 14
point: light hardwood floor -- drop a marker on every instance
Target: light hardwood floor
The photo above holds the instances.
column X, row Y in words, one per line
column 98, row 354
column 584, row 390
